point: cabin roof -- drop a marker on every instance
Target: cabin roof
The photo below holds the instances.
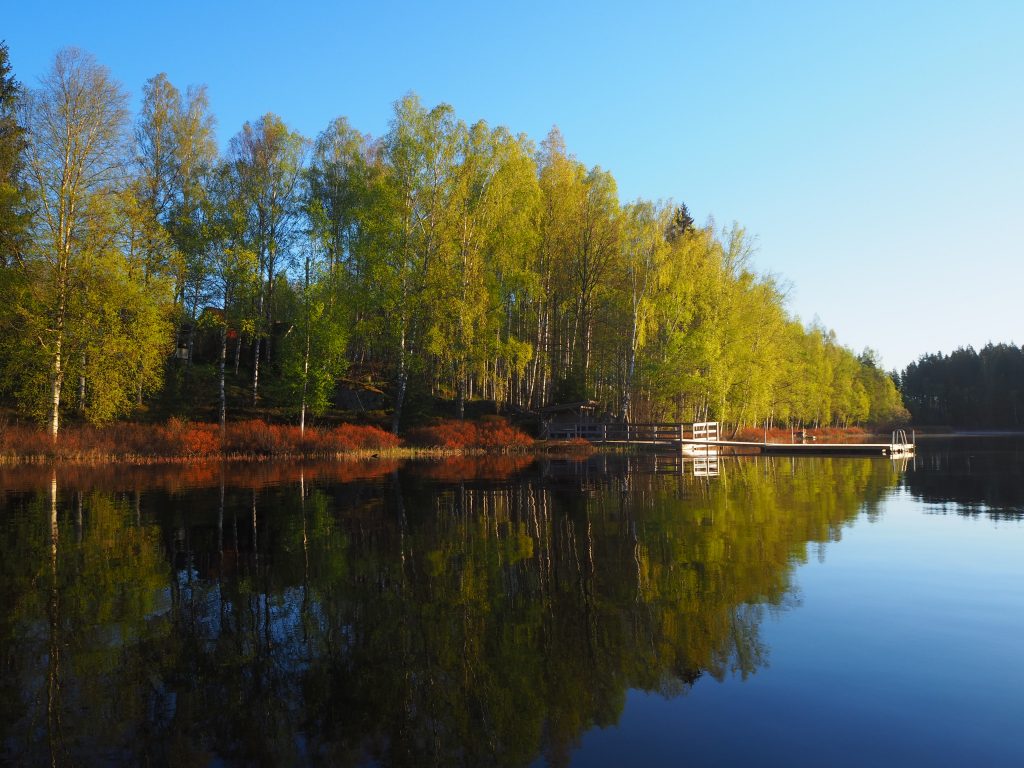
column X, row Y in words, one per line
column 581, row 405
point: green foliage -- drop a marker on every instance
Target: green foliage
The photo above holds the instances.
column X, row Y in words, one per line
column 80, row 306
column 314, row 347
column 175, row 151
column 116, row 330
column 443, row 260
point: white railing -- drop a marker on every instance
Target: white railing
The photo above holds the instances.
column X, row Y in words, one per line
column 705, row 467
column 705, row 430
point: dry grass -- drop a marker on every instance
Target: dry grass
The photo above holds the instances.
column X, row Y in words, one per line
column 575, row 448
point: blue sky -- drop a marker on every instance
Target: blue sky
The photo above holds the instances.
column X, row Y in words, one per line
column 876, row 149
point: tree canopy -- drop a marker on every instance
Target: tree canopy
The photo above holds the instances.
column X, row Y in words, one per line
column 443, row 261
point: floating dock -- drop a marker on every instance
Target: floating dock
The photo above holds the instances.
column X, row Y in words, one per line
column 702, row 438
column 808, row 449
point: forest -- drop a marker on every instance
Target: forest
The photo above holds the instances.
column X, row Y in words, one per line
column 967, row 388
column 147, row 273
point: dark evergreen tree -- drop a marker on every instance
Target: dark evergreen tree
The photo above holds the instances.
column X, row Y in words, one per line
column 13, row 210
column 967, row 388
column 681, row 223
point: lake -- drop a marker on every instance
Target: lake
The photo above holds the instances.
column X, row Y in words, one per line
column 516, row 611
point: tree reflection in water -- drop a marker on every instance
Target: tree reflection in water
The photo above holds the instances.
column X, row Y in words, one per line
column 971, row 476
column 423, row 614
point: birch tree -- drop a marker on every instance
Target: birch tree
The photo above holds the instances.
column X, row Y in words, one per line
column 314, row 348
column 175, row 150
column 560, row 177
column 154, row 162
column 76, row 123
column 595, row 248
column 269, row 159
column 337, row 209
column 232, row 267
column 644, row 250
column 416, row 192
column 509, row 269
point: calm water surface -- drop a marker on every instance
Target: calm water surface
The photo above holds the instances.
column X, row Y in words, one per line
column 613, row 611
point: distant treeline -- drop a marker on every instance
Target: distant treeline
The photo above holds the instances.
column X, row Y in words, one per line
column 967, row 388
column 441, row 260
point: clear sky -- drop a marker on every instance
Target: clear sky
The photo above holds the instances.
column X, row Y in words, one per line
column 876, row 149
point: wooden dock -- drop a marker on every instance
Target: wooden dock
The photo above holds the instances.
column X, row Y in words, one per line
column 812, row 449
column 703, row 438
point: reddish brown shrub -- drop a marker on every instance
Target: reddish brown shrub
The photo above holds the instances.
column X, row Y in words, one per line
column 255, row 437
column 350, row 437
column 182, row 438
column 258, row 437
column 493, row 433
column 444, row 434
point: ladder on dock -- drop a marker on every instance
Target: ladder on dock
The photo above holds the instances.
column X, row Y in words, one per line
column 900, row 446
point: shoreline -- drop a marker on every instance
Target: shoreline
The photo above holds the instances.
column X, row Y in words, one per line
column 176, row 443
